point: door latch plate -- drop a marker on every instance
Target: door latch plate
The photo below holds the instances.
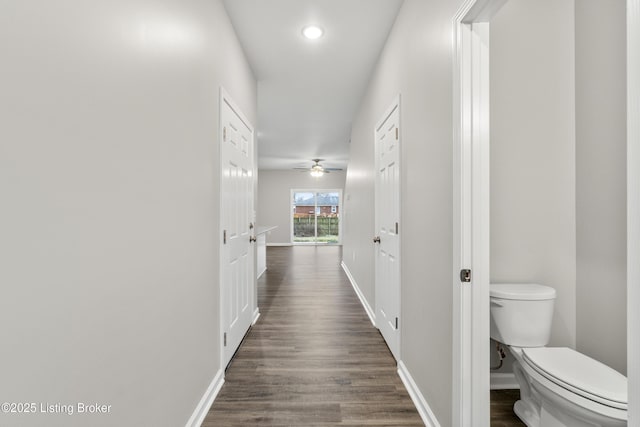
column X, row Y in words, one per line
column 465, row 275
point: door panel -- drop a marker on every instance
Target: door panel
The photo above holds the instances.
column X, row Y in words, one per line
column 387, row 226
column 327, row 217
column 237, row 269
column 304, row 220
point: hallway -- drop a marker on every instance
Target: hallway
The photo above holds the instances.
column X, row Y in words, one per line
column 313, row 357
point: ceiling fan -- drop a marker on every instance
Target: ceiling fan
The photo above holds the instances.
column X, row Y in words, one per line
column 317, row 170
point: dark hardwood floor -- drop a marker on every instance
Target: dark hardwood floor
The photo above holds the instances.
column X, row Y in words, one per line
column 313, row 358
column 502, row 414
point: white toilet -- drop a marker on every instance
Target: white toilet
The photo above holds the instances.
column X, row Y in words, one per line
column 559, row 387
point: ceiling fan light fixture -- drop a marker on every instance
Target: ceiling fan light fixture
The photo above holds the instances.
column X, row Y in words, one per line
column 317, row 172
column 312, row 32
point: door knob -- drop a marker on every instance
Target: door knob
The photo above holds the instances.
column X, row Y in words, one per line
column 376, row 239
column 252, row 239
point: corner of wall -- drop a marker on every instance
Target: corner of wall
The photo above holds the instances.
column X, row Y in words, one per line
column 427, row 415
column 201, row 410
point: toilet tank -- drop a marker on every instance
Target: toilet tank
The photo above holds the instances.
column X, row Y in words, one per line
column 521, row 314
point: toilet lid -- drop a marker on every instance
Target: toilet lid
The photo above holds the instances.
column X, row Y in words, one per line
column 579, row 374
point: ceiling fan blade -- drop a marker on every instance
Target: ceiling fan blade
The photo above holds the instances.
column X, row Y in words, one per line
column 333, row 169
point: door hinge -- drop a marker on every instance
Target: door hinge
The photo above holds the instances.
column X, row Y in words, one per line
column 396, row 228
column 396, row 134
column 224, row 134
column 465, row 275
column 224, row 237
column 396, row 323
column 225, row 339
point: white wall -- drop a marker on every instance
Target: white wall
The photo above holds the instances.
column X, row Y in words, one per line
column 108, row 176
column 540, row 191
column 274, row 198
column 601, row 180
column 416, row 63
column 533, row 220
column 558, row 173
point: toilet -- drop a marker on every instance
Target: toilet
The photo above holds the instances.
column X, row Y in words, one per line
column 559, row 387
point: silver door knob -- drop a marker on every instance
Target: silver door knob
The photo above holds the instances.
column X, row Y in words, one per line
column 376, row 239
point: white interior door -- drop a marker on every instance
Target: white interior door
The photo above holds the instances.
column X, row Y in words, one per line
column 387, row 239
column 237, row 263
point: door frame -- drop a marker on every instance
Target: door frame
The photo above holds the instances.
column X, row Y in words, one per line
column 470, row 380
column 224, row 97
column 394, row 104
column 633, row 208
column 340, row 217
column 471, row 221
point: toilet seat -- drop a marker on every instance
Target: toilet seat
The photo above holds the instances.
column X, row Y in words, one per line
column 579, row 374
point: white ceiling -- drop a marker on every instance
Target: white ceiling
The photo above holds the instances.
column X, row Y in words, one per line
column 309, row 90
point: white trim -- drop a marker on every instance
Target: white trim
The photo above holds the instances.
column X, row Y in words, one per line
column 504, row 381
column 361, row 297
column 279, row 244
column 480, row 10
column 199, row 414
column 633, row 209
column 470, row 376
column 256, row 316
column 427, row 415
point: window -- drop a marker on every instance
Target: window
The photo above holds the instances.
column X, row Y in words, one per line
column 316, row 216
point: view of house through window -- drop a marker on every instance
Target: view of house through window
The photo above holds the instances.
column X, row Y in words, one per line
column 316, row 216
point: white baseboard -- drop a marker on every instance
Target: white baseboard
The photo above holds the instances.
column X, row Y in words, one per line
column 279, row 244
column 256, row 316
column 363, row 300
column 503, row 381
column 427, row 415
column 205, row 403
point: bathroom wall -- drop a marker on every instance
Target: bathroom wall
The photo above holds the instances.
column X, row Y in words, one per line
column 417, row 64
column 601, row 180
column 533, row 173
column 274, row 198
column 109, row 183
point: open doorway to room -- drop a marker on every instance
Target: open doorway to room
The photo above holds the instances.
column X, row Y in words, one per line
column 315, row 216
column 510, row 166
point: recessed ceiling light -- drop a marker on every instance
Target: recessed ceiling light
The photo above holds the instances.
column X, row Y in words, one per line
column 312, row 32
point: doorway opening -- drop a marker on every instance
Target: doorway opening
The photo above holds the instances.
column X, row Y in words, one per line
column 315, row 216
column 472, row 242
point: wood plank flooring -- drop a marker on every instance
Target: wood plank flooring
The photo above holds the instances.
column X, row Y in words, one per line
column 502, row 414
column 313, row 358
